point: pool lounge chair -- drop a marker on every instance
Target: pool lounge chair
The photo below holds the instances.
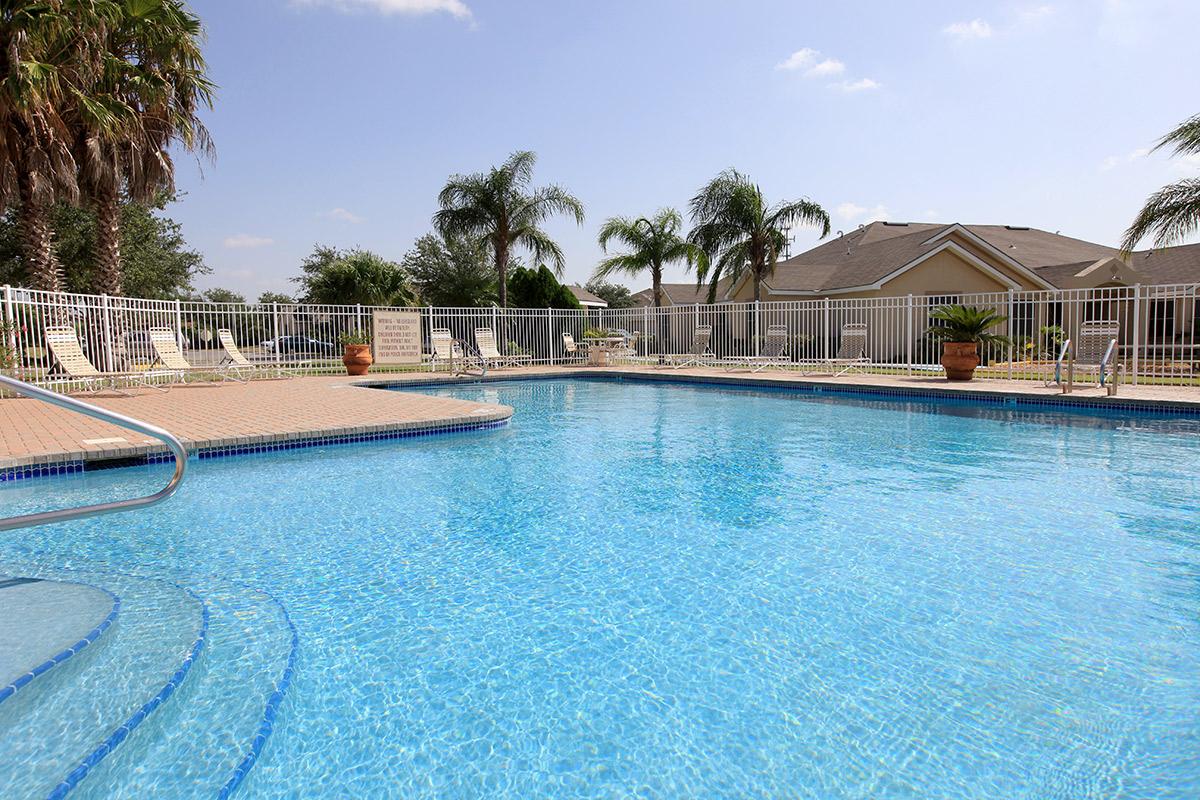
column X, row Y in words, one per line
column 236, row 362
column 485, row 341
column 448, row 351
column 1095, row 350
column 166, row 350
column 574, row 351
column 628, row 347
column 774, row 353
column 851, row 353
column 700, row 356
column 64, row 345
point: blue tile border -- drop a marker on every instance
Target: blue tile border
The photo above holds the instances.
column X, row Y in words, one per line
column 73, row 466
column 91, row 636
column 120, row 734
column 270, row 711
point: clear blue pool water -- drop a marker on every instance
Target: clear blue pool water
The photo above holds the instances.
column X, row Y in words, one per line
column 647, row 590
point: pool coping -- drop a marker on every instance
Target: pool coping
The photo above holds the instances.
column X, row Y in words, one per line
column 982, row 396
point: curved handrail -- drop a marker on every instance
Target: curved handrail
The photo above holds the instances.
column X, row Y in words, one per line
column 71, row 404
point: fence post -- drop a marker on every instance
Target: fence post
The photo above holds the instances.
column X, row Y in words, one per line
column 825, row 325
column 908, row 336
column 178, row 325
column 275, row 328
column 757, row 344
column 10, row 326
column 646, row 329
column 1137, row 328
column 106, row 333
column 358, row 317
column 550, row 335
column 1011, row 352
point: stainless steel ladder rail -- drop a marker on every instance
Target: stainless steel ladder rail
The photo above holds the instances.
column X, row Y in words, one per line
column 71, row 404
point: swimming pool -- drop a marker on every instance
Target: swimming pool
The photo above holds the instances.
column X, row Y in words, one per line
column 641, row 590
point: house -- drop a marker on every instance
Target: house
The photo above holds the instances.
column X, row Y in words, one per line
column 679, row 294
column 894, row 259
column 586, row 298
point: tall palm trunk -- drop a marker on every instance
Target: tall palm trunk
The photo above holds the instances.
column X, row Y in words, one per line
column 108, row 241
column 37, row 237
column 502, row 274
column 656, row 276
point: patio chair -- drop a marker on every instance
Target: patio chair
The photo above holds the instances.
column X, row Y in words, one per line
column 774, row 352
column 236, row 362
column 167, row 352
column 574, row 351
column 628, row 347
column 701, row 355
column 485, row 342
column 64, row 345
column 449, row 351
column 1095, row 350
column 851, row 353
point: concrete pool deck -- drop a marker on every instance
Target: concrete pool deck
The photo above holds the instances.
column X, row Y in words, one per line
column 212, row 417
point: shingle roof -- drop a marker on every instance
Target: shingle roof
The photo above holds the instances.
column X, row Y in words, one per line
column 866, row 256
column 584, row 296
column 680, row 293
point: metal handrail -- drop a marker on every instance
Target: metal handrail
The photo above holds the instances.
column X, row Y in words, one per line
column 96, row 412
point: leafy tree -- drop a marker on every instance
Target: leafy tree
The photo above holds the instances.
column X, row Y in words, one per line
column 740, row 232
column 451, row 272
column 538, row 288
column 500, row 209
column 1173, row 212
column 47, row 57
column 158, row 263
column 144, row 98
column 219, row 295
column 653, row 243
column 346, row 277
column 616, row 295
column 267, row 298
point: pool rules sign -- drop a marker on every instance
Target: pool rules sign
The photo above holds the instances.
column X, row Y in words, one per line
column 397, row 337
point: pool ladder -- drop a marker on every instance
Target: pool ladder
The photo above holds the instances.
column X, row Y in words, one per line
column 96, row 412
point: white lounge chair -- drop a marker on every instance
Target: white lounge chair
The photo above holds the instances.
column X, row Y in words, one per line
column 166, row 350
column 236, row 362
column 774, row 352
column 574, row 351
column 485, row 342
column 448, row 351
column 701, row 354
column 851, row 353
column 68, row 352
column 1095, row 350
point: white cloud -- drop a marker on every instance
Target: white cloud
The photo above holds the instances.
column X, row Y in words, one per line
column 801, row 59
column 1032, row 15
column 964, row 31
column 1113, row 162
column 860, row 85
column 853, row 212
column 455, row 8
column 342, row 215
column 830, row 66
column 244, row 240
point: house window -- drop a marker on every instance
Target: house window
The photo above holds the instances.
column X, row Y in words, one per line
column 1162, row 319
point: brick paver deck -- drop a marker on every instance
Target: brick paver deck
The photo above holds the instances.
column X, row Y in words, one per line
column 264, row 411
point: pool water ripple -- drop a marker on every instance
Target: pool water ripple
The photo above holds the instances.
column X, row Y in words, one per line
column 666, row 591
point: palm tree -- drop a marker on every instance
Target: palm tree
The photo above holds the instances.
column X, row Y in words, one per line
column 738, row 231
column 1173, row 212
column 148, row 97
column 499, row 209
column 47, row 54
column 653, row 243
column 363, row 277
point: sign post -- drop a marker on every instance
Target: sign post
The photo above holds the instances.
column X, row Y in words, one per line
column 397, row 336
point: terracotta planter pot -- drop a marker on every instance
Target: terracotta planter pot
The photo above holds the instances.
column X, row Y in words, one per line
column 960, row 359
column 357, row 359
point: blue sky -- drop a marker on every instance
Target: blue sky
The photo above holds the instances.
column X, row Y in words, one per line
column 337, row 121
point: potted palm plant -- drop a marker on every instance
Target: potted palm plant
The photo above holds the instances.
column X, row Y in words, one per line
column 356, row 352
column 961, row 329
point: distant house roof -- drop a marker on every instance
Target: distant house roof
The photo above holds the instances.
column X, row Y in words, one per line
column 680, row 294
column 868, row 257
column 586, row 298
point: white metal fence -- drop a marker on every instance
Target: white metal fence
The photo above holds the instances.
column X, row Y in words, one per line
column 1158, row 341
